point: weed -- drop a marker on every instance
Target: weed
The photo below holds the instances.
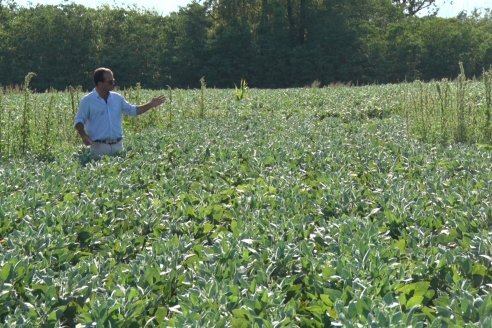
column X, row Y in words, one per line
column 26, row 113
column 203, row 87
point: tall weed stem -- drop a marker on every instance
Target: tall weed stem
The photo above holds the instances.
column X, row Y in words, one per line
column 203, row 86
column 25, row 128
column 460, row 106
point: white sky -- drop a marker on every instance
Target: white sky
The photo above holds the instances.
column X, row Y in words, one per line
column 164, row 7
column 451, row 10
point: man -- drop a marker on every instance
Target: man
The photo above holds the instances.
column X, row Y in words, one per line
column 98, row 120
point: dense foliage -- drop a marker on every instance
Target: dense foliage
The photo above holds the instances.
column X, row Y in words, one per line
column 300, row 207
column 270, row 43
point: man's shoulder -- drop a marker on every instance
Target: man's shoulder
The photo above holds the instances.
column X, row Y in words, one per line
column 116, row 94
column 88, row 96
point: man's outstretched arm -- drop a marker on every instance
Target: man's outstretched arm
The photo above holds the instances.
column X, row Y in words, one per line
column 157, row 101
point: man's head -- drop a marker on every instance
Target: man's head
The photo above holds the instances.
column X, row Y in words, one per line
column 103, row 79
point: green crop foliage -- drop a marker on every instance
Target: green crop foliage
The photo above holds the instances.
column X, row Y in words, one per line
column 302, row 208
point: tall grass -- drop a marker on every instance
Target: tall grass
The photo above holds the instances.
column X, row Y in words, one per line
column 449, row 112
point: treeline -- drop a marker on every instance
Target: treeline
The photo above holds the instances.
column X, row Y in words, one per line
column 270, row 43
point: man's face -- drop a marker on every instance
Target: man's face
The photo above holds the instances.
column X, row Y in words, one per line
column 109, row 82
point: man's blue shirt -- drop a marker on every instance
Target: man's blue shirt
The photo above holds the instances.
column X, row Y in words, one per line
column 101, row 119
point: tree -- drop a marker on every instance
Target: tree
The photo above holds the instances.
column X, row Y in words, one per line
column 272, row 46
column 128, row 43
column 446, row 43
column 54, row 42
column 189, row 52
column 271, row 43
column 231, row 54
column 405, row 50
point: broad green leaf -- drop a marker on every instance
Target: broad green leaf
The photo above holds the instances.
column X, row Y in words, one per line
column 207, row 227
column 69, row 197
column 429, row 312
column 264, row 297
column 442, row 301
column 5, row 272
column 242, row 313
column 362, row 307
column 401, row 245
column 418, row 288
column 252, row 286
column 160, row 315
column 333, row 294
column 326, row 300
column 479, row 269
column 132, row 294
column 240, row 322
column 415, row 301
column 234, row 228
column 486, row 307
column 352, row 310
column 333, row 313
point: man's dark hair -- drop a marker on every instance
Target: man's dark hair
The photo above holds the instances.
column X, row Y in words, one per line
column 99, row 74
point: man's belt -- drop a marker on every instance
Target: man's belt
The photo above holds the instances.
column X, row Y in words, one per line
column 109, row 141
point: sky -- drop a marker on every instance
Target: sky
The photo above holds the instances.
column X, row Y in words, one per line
column 165, row 7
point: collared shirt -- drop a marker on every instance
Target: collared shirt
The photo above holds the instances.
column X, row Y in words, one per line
column 101, row 119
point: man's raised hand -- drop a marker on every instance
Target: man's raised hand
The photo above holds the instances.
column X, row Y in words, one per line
column 157, row 101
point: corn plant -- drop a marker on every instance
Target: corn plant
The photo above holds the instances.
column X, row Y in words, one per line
column 242, row 91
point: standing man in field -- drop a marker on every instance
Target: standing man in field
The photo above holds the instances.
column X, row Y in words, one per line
column 98, row 120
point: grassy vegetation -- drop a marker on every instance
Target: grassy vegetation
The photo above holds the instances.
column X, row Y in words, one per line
column 300, row 207
column 449, row 112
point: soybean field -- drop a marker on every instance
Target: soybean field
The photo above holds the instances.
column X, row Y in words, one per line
column 353, row 206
